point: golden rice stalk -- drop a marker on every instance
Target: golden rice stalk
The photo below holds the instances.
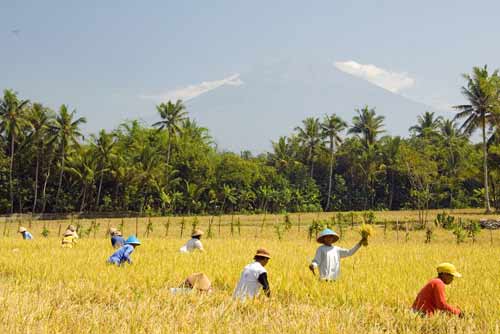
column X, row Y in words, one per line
column 366, row 231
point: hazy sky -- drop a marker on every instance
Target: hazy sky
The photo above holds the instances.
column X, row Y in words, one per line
column 113, row 60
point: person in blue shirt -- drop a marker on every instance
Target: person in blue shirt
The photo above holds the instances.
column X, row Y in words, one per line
column 26, row 235
column 123, row 254
column 116, row 238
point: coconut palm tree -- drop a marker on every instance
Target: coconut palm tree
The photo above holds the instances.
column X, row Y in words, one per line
column 483, row 92
column 310, row 137
column 66, row 133
column 331, row 129
column 367, row 125
column 427, row 125
column 172, row 116
column 103, row 146
column 12, row 120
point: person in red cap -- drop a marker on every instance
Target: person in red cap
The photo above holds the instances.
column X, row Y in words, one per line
column 432, row 297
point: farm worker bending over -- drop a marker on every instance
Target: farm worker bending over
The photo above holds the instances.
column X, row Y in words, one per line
column 123, row 254
column 254, row 277
column 68, row 239
column 432, row 297
column 24, row 232
column 72, row 228
column 116, row 238
column 328, row 257
column 194, row 243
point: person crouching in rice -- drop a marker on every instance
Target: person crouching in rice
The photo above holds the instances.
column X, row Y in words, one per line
column 69, row 239
column 327, row 258
column 117, row 239
column 194, row 243
column 24, row 232
column 254, row 277
column 197, row 282
column 123, row 254
column 73, row 229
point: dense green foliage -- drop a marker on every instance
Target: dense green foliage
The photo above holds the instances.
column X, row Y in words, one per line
column 173, row 167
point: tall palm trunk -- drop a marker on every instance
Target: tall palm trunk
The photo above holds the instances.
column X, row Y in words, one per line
column 99, row 191
column 330, row 176
column 485, row 167
column 36, row 181
column 11, row 187
column 63, row 153
column 311, row 160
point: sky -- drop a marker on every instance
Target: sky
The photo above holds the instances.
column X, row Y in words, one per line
column 115, row 60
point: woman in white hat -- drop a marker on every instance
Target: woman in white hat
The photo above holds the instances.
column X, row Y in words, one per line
column 194, row 243
column 328, row 256
column 24, row 232
column 254, row 277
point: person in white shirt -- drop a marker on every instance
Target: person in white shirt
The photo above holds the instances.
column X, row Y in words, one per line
column 254, row 277
column 327, row 257
column 194, row 243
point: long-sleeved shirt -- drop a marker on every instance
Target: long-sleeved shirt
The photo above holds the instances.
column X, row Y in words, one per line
column 117, row 241
column 251, row 281
column 327, row 258
column 432, row 298
column 122, row 255
column 191, row 245
column 27, row 235
column 68, row 241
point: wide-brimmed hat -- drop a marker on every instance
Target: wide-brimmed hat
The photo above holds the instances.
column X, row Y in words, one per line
column 325, row 233
column 199, row 281
column 262, row 252
column 448, row 268
column 112, row 230
column 22, row 229
column 197, row 233
column 68, row 233
column 72, row 228
column 132, row 240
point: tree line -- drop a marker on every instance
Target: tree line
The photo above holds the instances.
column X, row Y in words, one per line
column 173, row 166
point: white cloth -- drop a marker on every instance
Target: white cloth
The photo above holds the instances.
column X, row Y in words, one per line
column 249, row 285
column 192, row 245
column 327, row 258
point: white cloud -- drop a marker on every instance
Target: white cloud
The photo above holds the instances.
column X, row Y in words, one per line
column 190, row 92
column 392, row 81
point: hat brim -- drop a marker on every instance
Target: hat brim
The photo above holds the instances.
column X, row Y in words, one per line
column 133, row 243
column 263, row 255
column 320, row 238
column 456, row 274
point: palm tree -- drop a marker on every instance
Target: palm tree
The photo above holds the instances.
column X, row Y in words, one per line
column 172, row 116
column 103, row 146
column 40, row 119
column 427, row 126
column 367, row 125
column 483, row 93
column 331, row 128
column 310, row 137
column 12, row 119
column 66, row 132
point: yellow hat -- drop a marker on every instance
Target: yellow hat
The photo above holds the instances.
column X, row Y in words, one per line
column 196, row 233
column 22, row 229
column 199, row 281
column 448, row 268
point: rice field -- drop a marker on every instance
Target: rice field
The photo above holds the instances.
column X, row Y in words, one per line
column 48, row 289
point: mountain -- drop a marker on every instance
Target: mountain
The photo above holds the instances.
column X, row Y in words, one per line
column 274, row 98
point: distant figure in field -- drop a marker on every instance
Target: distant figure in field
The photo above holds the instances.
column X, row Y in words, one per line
column 24, row 232
column 116, row 238
column 123, row 254
column 328, row 257
column 72, row 228
column 68, row 240
column 254, row 277
column 432, row 297
column 194, row 282
column 194, row 243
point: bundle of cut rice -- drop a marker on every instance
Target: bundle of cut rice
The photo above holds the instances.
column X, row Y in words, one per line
column 365, row 231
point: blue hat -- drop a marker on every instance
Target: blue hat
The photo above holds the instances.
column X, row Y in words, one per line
column 326, row 232
column 132, row 240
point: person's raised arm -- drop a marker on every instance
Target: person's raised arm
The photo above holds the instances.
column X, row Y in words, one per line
column 349, row 252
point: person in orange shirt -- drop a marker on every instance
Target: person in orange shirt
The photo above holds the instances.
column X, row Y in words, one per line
column 432, row 296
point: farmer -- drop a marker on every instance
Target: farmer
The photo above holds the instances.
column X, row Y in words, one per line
column 254, row 277
column 328, row 257
column 117, row 239
column 432, row 297
column 123, row 254
column 199, row 282
column 69, row 239
column 194, row 243
column 72, row 228
column 24, row 232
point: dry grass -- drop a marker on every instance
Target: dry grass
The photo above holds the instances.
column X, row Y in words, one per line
column 47, row 289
